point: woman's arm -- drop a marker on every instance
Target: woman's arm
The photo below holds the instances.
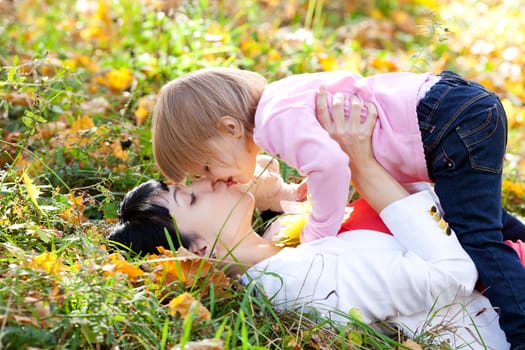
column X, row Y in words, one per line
column 369, row 178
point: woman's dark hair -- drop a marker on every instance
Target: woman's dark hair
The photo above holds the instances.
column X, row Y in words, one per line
column 143, row 226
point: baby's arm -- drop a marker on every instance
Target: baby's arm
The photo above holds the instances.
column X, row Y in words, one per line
column 293, row 134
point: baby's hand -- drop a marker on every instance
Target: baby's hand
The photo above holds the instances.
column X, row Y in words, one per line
column 269, row 188
column 302, row 191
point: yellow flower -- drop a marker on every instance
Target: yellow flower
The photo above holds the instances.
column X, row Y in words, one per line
column 292, row 222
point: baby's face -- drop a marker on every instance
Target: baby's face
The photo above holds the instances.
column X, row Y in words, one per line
column 234, row 162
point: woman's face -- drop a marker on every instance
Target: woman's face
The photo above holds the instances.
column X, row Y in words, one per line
column 215, row 212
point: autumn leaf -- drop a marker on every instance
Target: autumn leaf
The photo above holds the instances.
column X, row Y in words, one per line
column 48, row 262
column 144, row 108
column 22, row 320
column 186, row 267
column 74, row 214
column 119, row 79
column 117, row 264
column 13, row 251
column 50, row 129
column 97, row 105
column 328, row 62
column 515, row 187
column 355, row 338
column 32, row 191
column 118, row 152
column 83, row 123
column 21, row 99
column 185, row 304
column 355, row 314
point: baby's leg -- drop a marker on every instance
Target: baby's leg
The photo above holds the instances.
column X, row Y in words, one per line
column 464, row 128
column 513, row 228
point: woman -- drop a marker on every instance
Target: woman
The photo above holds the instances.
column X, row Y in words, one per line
column 399, row 277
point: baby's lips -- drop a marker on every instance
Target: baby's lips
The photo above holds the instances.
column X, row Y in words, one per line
column 231, row 183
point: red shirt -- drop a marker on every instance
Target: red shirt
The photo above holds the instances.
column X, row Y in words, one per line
column 363, row 217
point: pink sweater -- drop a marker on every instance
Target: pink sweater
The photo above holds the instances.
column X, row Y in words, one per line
column 286, row 127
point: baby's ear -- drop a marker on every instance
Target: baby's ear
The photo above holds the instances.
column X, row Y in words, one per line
column 230, row 126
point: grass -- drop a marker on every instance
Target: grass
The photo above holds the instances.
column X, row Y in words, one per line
column 78, row 80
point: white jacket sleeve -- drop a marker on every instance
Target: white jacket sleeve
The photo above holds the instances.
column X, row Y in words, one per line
column 415, row 223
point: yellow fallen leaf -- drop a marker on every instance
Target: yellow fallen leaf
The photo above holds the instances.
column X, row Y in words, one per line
column 32, row 191
column 186, row 267
column 118, row 151
column 48, row 262
column 119, row 79
column 355, row 338
column 25, row 99
column 49, row 129
column 144, row 108
column 82, row 123
column 117, row 264
column 354, row 312
column 185, row 303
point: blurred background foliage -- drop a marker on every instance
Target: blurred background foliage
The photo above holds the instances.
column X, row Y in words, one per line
column 80, row 77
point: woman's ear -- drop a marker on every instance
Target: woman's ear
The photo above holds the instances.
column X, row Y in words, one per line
column 230, row 126
column 199, row 249
column 203, row 250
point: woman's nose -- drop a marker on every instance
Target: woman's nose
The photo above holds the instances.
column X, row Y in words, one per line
column 215, row 183
column 205, row 184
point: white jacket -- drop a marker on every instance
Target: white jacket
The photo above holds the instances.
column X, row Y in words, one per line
column 399, row 277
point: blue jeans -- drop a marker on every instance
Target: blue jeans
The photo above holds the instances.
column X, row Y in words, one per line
column 464, row 132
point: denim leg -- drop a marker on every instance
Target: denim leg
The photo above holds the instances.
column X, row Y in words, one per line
column 513, row 228
column 464, row 132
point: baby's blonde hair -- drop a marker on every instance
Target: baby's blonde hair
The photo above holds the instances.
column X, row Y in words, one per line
column 187, row 112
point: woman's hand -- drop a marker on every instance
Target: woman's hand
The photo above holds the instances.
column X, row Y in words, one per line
column 369, row 178
column 354, row 137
